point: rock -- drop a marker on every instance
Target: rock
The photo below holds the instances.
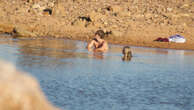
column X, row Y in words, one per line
column 50, row 4
column 36, row 6
column 21, row 32
column 169, row 9
column 105, row 23
column 6, row 28
column 47, row 11
column 20, row 91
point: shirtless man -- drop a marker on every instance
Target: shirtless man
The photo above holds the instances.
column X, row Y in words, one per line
column 98, row 43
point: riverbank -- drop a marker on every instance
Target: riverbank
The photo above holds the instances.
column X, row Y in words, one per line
column 125, row 22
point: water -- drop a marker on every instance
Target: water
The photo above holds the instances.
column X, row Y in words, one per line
column 74, row 79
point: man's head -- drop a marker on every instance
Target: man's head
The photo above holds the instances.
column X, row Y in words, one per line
column 126, row 50
column 127, row 53
column 100, row 33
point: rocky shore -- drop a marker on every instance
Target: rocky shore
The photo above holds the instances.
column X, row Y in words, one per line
column 127, row 22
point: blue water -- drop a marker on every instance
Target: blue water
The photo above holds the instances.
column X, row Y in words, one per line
column 74, row 79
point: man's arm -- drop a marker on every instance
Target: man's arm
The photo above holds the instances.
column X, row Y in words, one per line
column 104, row 48
column 90, row 45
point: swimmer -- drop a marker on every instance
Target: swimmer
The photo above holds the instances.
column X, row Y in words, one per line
column 98, row 43
column 127, row 54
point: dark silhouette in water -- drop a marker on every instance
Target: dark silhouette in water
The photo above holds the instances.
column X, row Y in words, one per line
column 127, row 54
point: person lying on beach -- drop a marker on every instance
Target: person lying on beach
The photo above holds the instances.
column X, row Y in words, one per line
column 127, row 54
column 98, row 43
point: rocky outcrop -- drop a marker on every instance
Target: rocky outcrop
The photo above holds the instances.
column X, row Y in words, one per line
column 19, row 91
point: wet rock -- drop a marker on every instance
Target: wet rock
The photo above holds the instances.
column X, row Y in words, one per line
column 20, row 91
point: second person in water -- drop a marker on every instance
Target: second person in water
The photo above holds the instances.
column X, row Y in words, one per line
column 98, row 43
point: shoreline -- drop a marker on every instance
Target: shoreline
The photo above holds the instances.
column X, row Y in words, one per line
column 153, row 44
column 124, row 22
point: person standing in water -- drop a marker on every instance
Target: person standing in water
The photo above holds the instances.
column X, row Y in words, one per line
column 98, row 43
column 127, row 54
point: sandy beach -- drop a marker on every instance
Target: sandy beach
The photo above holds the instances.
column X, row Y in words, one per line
column 135, row 23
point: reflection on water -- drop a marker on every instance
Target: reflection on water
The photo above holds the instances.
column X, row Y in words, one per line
column 30, row 51
column 75, row 79
column 98, row 55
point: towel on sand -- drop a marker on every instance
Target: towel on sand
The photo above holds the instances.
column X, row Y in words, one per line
column 177, row 39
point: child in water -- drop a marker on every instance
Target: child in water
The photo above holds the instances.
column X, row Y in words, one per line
column 98, row 43
column 127, row 54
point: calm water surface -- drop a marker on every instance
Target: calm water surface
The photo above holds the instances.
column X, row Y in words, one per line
column 74, row 79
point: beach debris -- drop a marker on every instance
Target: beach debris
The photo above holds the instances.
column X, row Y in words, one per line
column 177, row 39
column 160, row 39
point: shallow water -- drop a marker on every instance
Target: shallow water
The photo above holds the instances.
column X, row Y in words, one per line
column 74, row 79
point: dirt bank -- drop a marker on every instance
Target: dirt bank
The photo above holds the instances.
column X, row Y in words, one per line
column 128, row 22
